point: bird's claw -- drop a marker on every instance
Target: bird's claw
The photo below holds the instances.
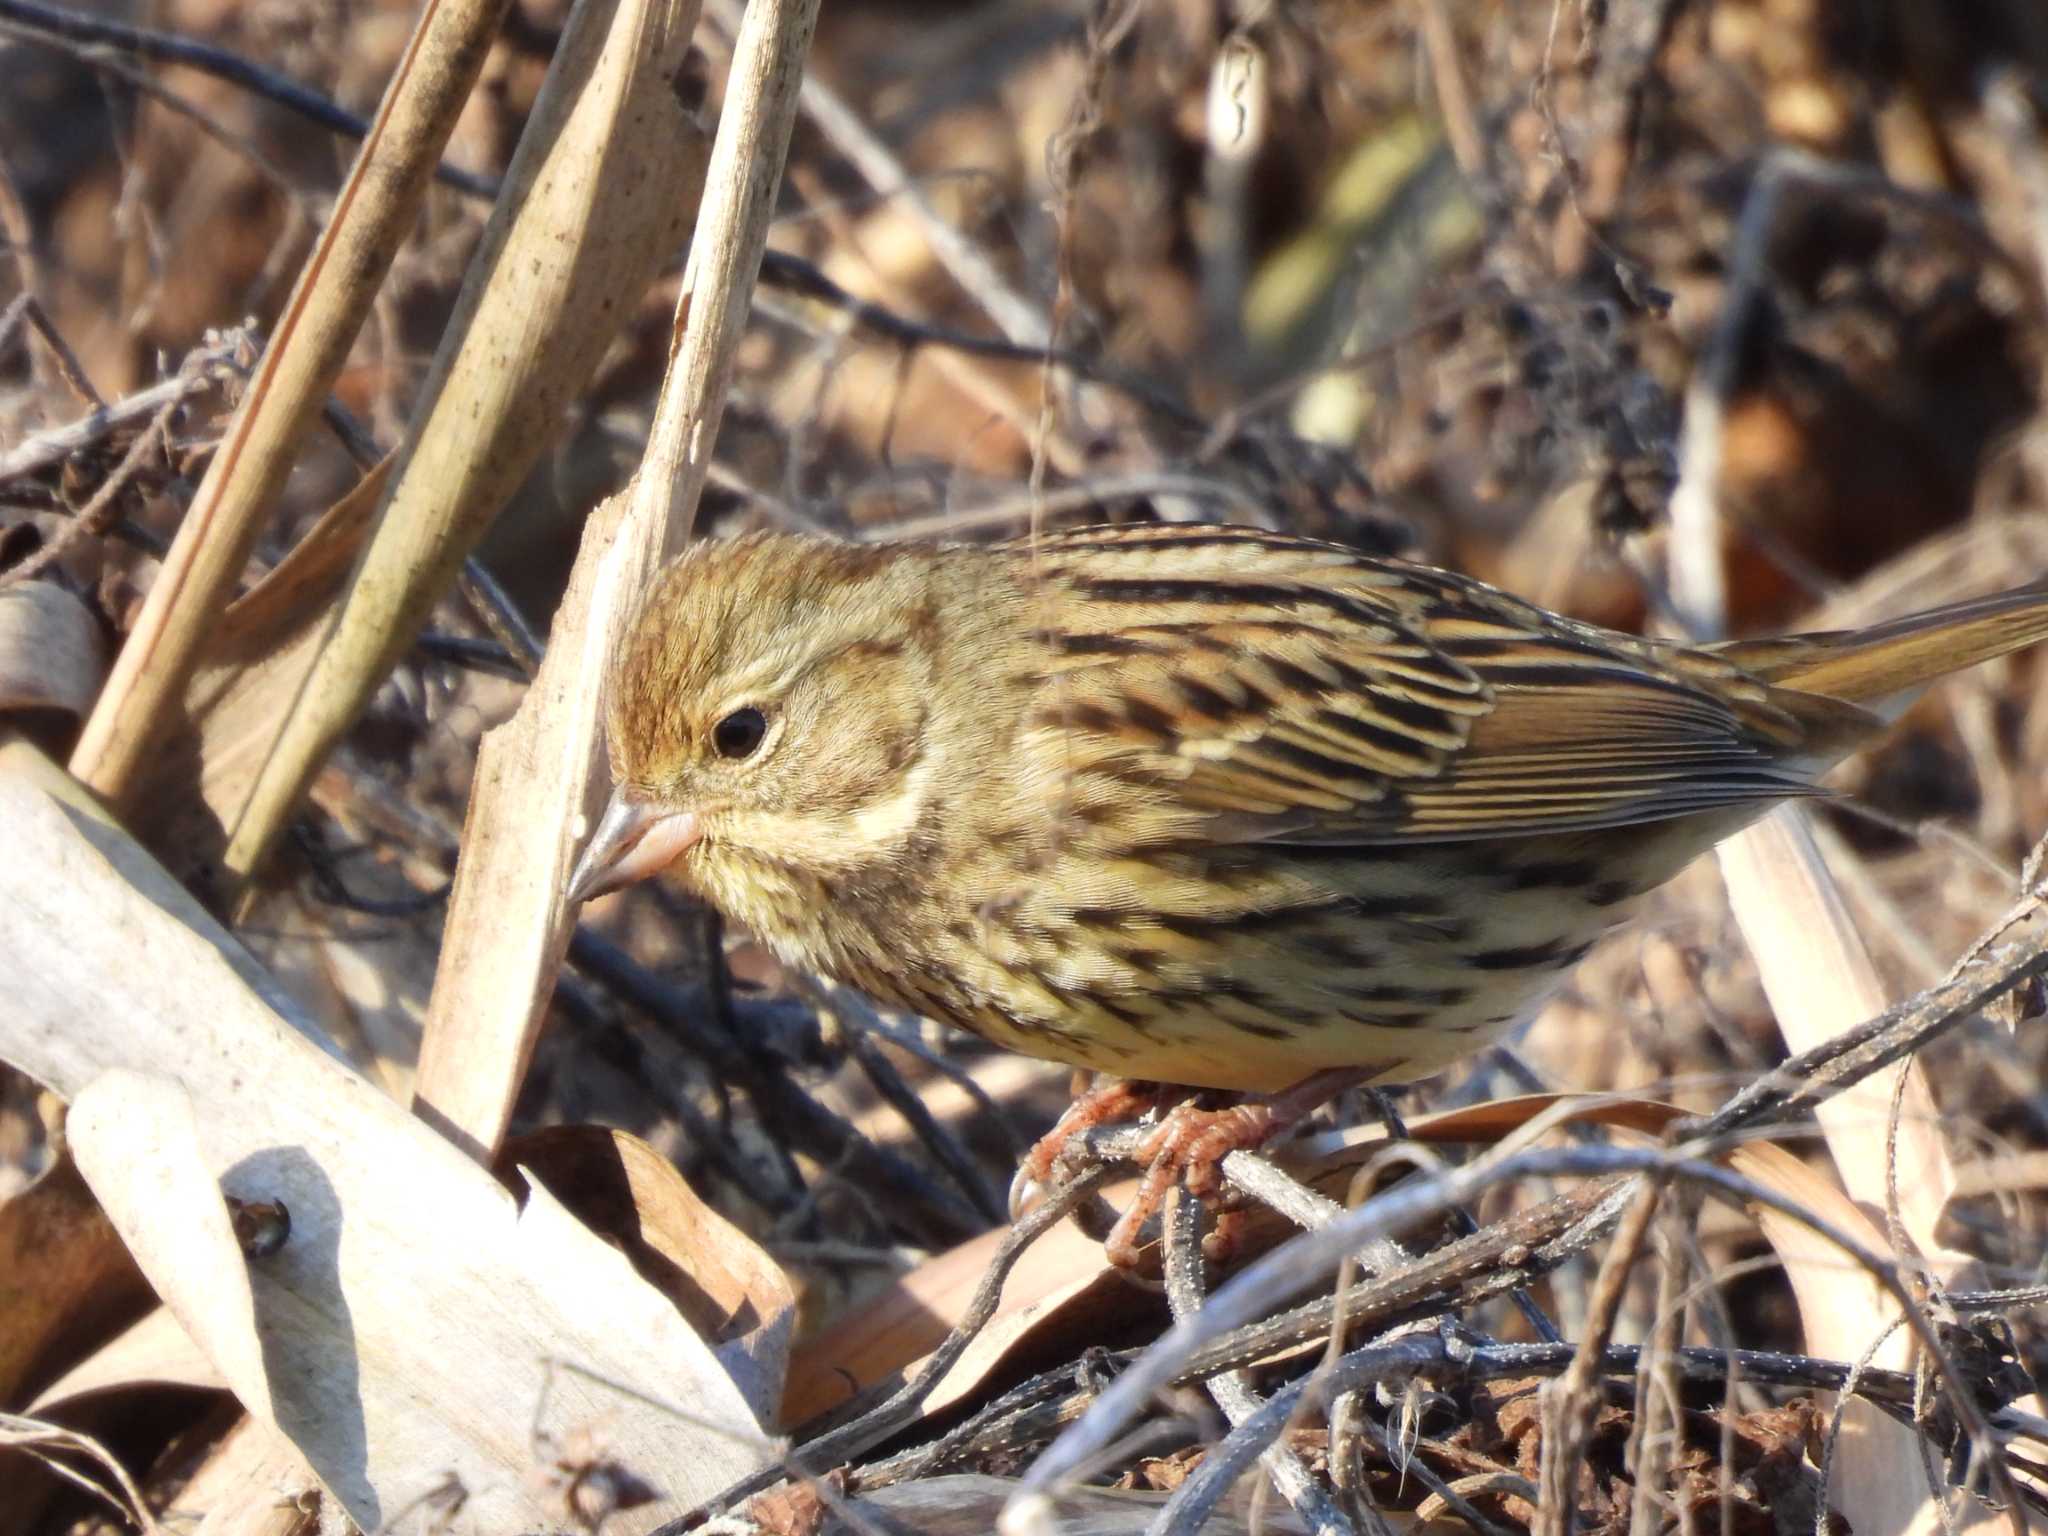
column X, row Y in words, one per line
column 1105, row 1104
column 1188, row 1147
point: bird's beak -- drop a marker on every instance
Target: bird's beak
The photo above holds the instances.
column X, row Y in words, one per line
column 633, row 840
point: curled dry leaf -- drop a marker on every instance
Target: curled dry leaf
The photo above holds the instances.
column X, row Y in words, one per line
column 730, row 1291
column 1060, row 1297
column 50, row 651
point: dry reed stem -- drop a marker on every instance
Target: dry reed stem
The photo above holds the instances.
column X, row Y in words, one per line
column 599, row 194
column 374, row 210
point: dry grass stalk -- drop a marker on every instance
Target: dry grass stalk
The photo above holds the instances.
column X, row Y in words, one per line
column 375, row 208
column 600, row 193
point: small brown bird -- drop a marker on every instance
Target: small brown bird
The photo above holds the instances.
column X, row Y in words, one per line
column 1203, row 806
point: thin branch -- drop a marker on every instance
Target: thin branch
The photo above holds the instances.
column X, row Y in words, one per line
column 1310, row 1257
column 226, row 358
column 52, row 24
column 1232, row 1390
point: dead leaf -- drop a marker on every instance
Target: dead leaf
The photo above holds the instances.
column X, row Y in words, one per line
column 155, row 1352
column 70, row 1284
column 721, row 1281
column 51, row 656
column 416, row 1325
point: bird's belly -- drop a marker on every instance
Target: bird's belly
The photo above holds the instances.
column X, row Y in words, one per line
column 1404, row 964
column 1226, row 1031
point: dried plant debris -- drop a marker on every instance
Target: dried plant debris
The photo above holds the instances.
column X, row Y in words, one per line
column 1498, row 285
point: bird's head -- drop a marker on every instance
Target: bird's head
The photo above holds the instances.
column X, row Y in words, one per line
column 769, row 711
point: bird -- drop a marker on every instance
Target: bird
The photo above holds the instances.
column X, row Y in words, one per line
column 1207, row 810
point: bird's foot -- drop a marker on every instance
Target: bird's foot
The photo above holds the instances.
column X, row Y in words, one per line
column 1187, row 1146
column 1112, row 1103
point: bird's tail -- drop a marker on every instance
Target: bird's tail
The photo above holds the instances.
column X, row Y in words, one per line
column 1885, row 666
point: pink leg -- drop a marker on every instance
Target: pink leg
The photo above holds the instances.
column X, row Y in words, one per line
column 1105, row 1104
column 1190, row 1144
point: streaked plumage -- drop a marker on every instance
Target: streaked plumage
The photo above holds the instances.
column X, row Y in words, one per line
column 1204, row 805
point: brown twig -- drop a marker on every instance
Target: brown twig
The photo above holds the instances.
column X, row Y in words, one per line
column 98, row 514
column 224, row 358
column 1308, row 1258
column 52, row 24
column 1570, row 1401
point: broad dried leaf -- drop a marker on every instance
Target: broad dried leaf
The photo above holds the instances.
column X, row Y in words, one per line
column 416, row 1349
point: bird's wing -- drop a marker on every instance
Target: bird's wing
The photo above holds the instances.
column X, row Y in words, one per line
column 1302, row 693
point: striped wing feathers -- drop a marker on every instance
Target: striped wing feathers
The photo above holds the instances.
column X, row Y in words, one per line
column 1302, row 693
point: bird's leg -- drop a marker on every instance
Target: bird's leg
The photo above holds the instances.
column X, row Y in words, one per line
column 1105, row 1104
column 1190, row 1143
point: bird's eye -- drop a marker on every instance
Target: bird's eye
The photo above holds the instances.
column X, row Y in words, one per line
column 739, row 733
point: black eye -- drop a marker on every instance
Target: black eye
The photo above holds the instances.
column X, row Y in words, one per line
column 739, row 733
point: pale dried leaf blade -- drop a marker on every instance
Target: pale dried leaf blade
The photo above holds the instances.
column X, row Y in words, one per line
column 136, row 1139
column 50, row 651
column 1821, row 982
column 538, row 785
column 434, row 1321
column 540, row 780
column 1880, row 1481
